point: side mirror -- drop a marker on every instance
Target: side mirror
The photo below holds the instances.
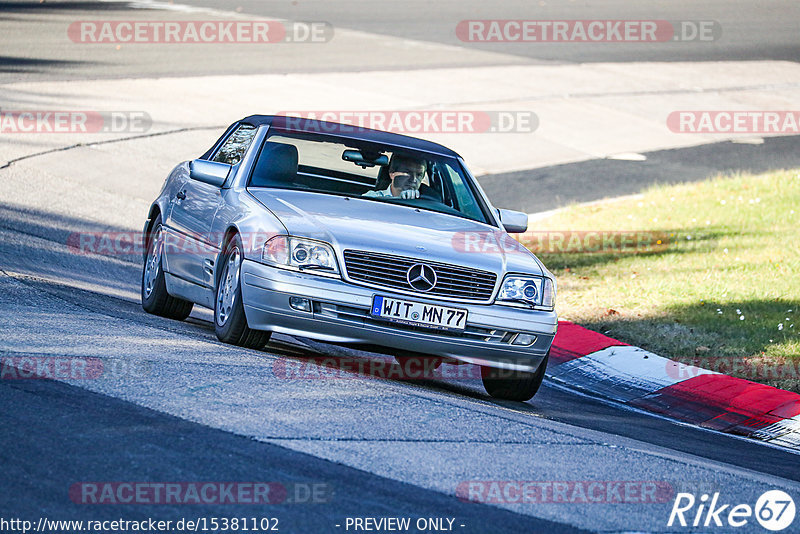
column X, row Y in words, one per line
column 210, row 172
column 515, row 222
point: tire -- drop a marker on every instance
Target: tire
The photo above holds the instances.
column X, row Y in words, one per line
column 230, row 323
column 513, row 385
column 155, row 298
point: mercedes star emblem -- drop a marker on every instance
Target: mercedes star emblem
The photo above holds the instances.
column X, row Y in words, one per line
column 421, row 277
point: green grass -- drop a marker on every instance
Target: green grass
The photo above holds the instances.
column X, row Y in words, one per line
column 724, row 291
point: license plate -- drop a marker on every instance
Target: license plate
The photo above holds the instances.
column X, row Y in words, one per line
column 418, row 314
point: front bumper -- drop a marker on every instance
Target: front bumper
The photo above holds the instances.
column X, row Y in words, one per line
column 340, row 314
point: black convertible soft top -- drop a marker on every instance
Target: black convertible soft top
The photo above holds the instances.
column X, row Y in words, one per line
column 342, row 131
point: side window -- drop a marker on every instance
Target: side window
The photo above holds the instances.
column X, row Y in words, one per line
column 236, row 145
column 466, row 201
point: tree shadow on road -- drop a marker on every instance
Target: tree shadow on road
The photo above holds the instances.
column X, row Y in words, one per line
column 567, row 255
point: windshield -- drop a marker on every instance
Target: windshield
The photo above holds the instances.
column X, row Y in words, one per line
column 379, row 173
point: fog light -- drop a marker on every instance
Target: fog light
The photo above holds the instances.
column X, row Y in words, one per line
column 524, row 340
column 299, row 303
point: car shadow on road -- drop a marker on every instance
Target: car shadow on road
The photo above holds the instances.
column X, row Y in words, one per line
column 318, row 360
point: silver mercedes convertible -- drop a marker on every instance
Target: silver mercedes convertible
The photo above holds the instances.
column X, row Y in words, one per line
column 351, row 236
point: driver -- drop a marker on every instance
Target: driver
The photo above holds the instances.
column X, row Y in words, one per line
column 406, row 174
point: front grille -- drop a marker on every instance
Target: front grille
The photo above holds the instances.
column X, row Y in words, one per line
column 390, row 271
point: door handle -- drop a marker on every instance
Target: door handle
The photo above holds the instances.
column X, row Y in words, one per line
column 181, row 195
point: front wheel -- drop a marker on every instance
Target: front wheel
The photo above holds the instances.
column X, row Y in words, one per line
column 230, row 323
column 155, row 298
column 513, row 385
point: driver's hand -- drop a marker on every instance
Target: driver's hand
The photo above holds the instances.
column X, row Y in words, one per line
column 409, row 193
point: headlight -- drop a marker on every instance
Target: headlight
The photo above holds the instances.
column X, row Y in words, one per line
column 531, row 290
column 300, row 253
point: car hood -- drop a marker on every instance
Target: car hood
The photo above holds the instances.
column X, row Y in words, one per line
column 361, row 224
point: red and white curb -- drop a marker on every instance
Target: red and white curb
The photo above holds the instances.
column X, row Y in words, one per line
column 593, row 362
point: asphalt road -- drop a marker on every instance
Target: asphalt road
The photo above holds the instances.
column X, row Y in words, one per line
column 414, row 34
column 749, row 30
column 538, row 190
column 81, row 442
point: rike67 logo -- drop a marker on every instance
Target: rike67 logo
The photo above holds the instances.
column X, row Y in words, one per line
column 774, row 510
